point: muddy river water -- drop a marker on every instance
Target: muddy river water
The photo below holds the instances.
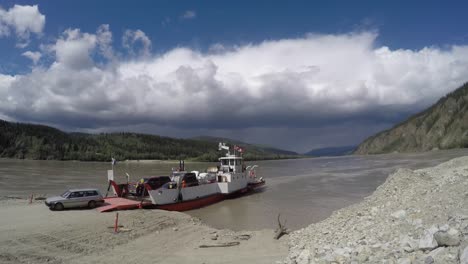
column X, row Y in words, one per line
column 303, row 191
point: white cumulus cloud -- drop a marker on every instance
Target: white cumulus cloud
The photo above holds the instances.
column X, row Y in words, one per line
column 189, row 14
column 104, row 41
column 34, row 56
column 315, row 81
column 132, row 38
column 23, row 20
column 73, row 49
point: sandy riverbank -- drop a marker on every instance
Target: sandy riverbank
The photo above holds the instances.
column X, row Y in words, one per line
column 418, row 216
column 33, row 234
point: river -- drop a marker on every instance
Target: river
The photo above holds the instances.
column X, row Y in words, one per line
column 303, row 191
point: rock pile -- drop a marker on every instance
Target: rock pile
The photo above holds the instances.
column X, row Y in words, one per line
column 414, row 217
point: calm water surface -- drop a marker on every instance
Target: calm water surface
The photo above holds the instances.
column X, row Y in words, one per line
column 303, row 191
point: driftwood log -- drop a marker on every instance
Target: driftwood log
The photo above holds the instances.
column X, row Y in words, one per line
column 281, row 230
column 227, row 244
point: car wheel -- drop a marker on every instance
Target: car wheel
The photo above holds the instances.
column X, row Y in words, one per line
column 58, row 207
column 92, row 204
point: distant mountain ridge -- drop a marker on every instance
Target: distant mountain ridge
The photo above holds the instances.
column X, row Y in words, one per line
column 331, row 151
column 442, row 126
column 30, row 141
column 257, row 148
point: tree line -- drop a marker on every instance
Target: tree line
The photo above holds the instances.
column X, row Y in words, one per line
column 39, row 142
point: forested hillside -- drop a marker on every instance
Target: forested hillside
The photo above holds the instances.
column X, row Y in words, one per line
column 27, row 141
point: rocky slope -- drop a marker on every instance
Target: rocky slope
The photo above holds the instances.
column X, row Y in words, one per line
column 442, row 126
column 414, row 217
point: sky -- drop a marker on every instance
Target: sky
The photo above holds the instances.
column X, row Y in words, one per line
column 297, row 75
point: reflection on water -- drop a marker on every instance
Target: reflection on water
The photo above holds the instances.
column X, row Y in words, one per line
column 303, row 191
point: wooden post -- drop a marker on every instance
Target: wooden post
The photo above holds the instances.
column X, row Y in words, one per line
column 116, row 225
column 281, row 230
column 30, row 198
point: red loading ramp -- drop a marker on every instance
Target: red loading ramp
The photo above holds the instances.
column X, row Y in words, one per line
column 118, row 203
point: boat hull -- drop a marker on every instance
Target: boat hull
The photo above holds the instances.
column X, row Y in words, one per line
column 192, row 204
column 209, row 200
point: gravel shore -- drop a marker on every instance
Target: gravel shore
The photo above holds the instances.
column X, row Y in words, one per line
column 416, row 216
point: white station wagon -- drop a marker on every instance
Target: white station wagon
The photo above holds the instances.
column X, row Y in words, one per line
column 75, row 198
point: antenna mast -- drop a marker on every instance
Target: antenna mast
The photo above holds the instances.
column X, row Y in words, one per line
column 222, row 146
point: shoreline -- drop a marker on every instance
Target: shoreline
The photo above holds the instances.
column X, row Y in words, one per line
column 407, row 219
column 188, row 160
column 415, row 216
column 300, row 157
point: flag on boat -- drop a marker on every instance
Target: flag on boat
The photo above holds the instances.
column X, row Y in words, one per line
column 239, row 149
column 114, row 161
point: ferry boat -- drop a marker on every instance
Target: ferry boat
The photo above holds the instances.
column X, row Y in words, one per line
column 190, row 190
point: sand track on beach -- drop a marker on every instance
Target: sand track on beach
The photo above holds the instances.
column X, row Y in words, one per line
column 30, row 233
